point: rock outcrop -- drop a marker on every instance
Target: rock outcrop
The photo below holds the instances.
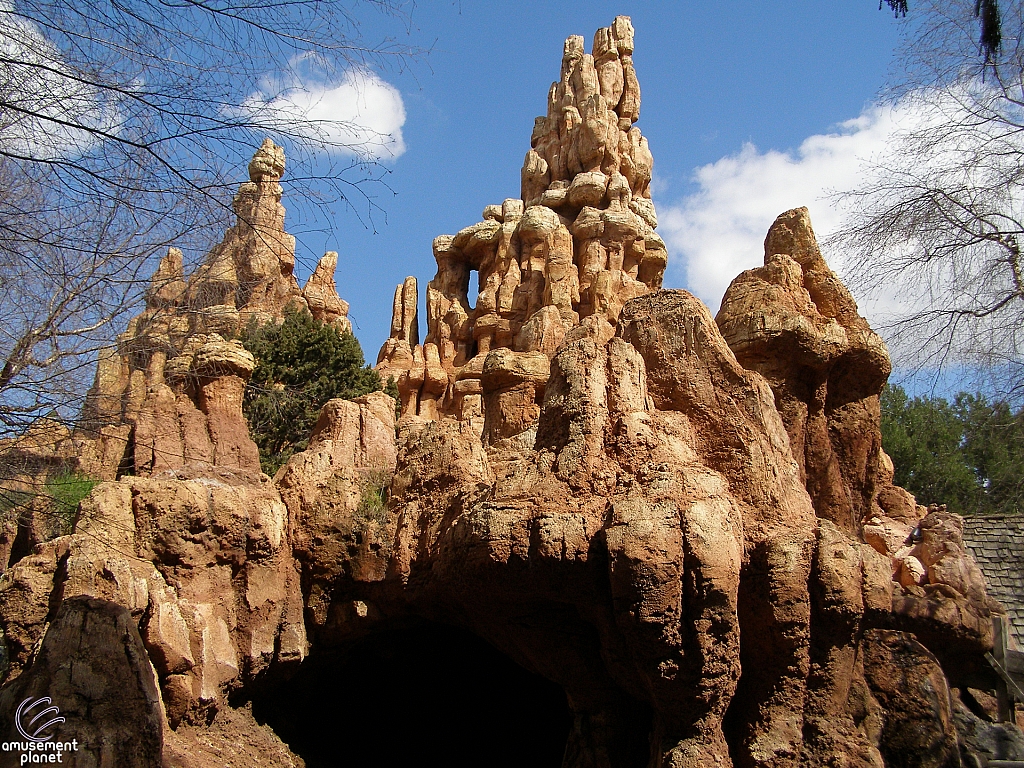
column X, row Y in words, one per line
column 94, row 663
column 796, row 324
column 204, row 566
column 688, row 525
column 168, row 397
column 174, row 378
column 576, row 245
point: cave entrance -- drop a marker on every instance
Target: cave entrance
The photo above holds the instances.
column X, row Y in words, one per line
column 425, row 694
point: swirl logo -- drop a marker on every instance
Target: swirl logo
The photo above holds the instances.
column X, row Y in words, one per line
column 32, row 721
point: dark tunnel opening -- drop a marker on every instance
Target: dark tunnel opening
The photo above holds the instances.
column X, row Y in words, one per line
column 420, row 695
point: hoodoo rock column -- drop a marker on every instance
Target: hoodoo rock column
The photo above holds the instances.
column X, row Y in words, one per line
column 685, row 524
column 576, row 246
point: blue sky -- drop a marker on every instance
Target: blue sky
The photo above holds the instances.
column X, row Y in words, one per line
column 750, row 108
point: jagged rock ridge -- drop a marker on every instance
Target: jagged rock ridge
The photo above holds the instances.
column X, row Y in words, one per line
column 688, row 525
column 167, row 397
column 173, row 377
column 575, row 246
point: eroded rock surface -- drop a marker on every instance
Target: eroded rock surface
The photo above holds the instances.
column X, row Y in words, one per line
column 167, row 400
column 576, row 245
column 176, row 377
column 93, row 662
column 794, row 322
column 688, row 525
column 906, row 680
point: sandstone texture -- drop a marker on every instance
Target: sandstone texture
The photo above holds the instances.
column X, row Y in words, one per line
column 572, row 249
column 176, row 378
column 94, row 663
column 167, row 399
column 796, row 324
column 686, row 523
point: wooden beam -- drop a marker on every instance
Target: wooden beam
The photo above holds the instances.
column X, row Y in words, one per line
column 1007, row 688
column 1014, row 662
column 1015, row 689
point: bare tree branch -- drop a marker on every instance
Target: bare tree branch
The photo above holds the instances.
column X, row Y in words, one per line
column 122, row 129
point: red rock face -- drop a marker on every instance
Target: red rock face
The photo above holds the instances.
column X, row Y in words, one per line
column 909, row 684
column 793, row 322
column 647, row 542
column 655, row 508
column 688, row 526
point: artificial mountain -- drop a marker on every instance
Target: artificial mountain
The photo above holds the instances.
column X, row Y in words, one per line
column 679, row 532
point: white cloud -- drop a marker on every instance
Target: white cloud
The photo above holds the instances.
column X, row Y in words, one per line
column 46, row 112
column 719, row 230
column 361, row 116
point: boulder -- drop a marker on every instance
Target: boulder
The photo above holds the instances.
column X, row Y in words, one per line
column 93, row 669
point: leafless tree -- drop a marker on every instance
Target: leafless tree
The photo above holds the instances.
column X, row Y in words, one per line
column 940, row 215
column 123, row 126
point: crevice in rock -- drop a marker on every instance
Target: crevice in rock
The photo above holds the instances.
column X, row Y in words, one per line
column 472, row 289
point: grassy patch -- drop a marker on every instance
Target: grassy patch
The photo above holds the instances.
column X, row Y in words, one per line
column 67, row 489
column 373, row 497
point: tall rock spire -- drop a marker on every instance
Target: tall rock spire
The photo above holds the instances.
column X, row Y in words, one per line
column 177, row 377
column 559, row 261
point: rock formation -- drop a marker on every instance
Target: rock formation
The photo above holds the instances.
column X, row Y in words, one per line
column 173, row 377
column 689, row 526
column 576, row 246
column 95, row 664
column 168, row 397
column 797, row 325
column 793, row 322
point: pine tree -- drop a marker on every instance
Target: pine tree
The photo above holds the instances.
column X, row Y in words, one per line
column 923, row 436
column 300, row 365
column 968, row 454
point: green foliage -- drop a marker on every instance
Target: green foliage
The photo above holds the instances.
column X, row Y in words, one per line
column 391, row 388
column 924, row 437
column 300, row 365
column 373, row 498
column 13, row 499
column 67, row 489
column 52, row 501
column 968, row 454
column 994, row 445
